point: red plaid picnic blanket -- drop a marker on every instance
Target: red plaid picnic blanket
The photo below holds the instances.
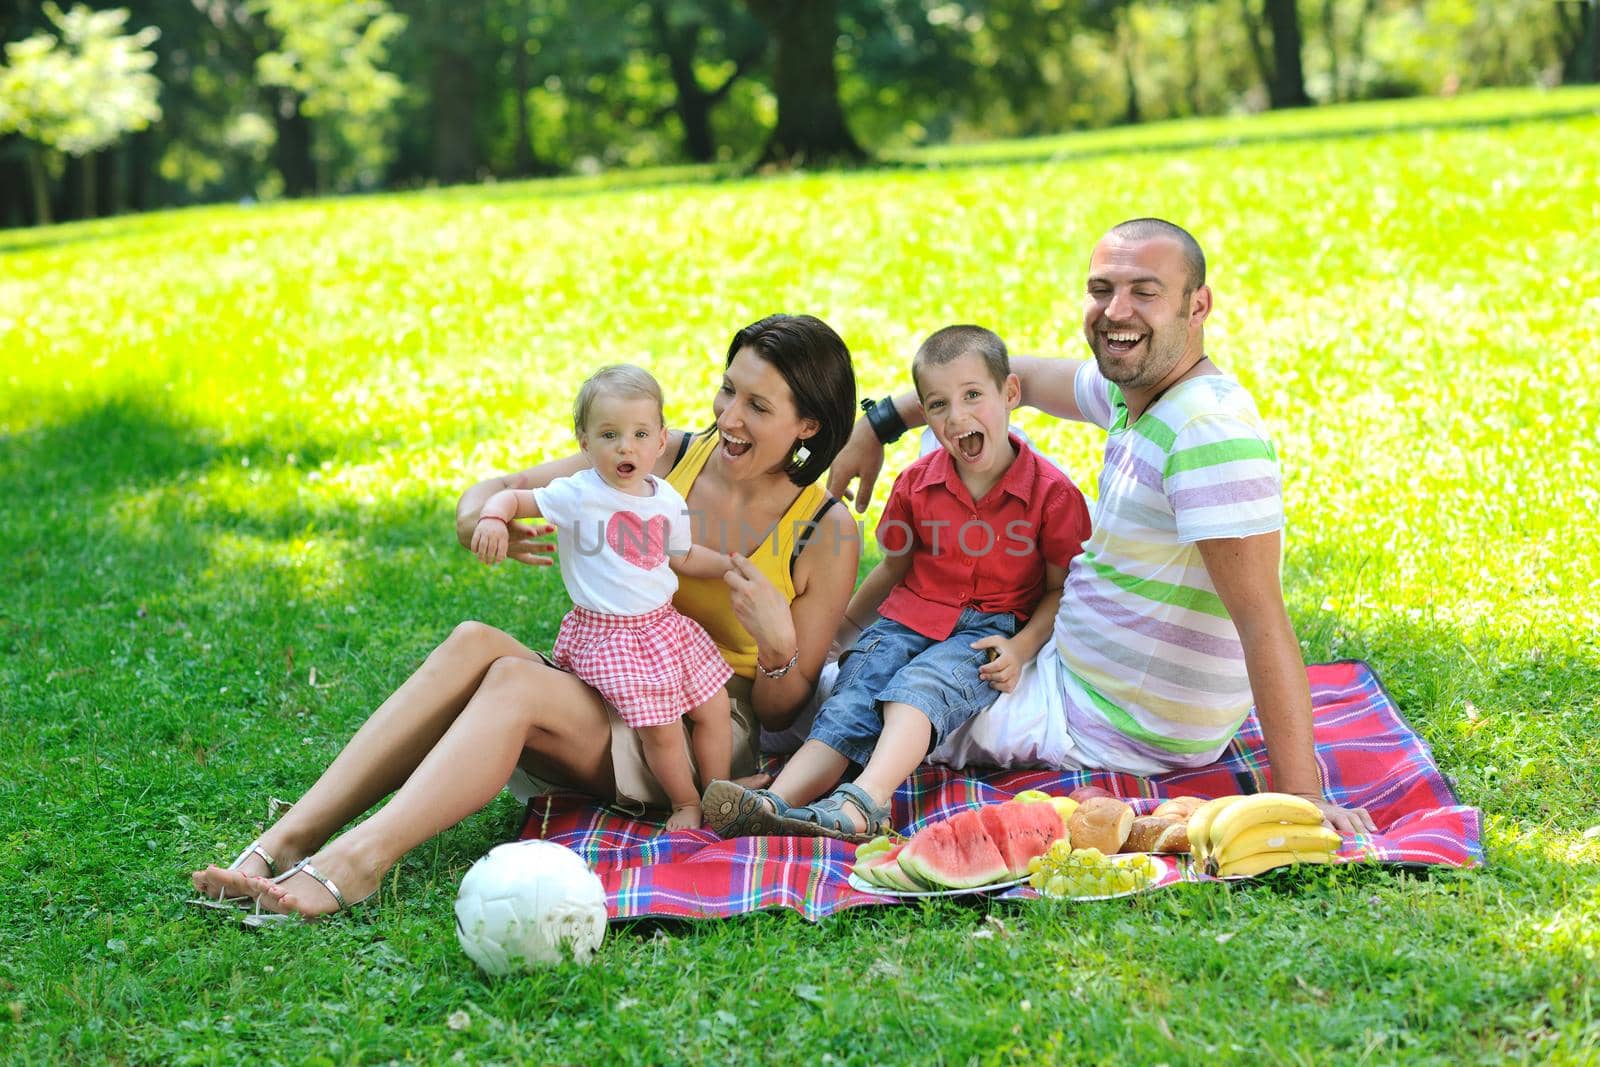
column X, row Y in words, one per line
column 1369, row 756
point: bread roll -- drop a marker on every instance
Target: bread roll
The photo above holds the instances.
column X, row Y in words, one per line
column 1089, row 792
column 1178, row 807
column 1174, row 838
column 1145, row 831
column 1102, row 823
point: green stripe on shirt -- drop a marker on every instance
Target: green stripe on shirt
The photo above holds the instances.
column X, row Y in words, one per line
column 1217, row 452
column 1128, row 726
column 1155, row 431
column 1182, row 596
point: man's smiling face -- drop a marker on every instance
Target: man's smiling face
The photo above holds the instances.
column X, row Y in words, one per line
column 1140, row 317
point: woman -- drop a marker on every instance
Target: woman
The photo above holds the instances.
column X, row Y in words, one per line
column 482, row 703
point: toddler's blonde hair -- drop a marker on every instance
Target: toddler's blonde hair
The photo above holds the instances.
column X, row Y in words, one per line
column 619, row 380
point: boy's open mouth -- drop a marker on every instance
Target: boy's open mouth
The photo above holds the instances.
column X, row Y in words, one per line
column 625, row 469
column 970, row 444
column 1122, row 341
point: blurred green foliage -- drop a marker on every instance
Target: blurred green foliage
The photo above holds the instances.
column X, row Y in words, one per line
column 263, row 98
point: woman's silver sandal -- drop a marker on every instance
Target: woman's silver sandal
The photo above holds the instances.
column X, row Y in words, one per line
column 267, row 918
column 223, row 902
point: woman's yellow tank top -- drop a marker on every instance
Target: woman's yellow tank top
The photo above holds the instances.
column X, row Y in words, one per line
column 705, row 600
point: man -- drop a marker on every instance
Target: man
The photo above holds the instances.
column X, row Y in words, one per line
column 1172, row 621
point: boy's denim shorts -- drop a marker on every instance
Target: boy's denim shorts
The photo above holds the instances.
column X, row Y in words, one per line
column 889, row 661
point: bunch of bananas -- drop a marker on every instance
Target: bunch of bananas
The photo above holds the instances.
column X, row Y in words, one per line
column 1248, row 835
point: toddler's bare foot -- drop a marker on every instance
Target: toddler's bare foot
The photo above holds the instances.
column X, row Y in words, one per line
column 684, row 817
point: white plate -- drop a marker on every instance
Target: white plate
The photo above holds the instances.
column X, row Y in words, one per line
column 861, row 885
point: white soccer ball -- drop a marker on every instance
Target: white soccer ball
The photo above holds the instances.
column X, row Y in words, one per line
column 530, row 903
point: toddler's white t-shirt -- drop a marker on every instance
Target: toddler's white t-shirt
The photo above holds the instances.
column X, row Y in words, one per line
column 612, row 546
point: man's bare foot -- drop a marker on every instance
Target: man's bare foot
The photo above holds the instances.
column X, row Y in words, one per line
column 303, row 895
column 684, row 817
column 759, row 780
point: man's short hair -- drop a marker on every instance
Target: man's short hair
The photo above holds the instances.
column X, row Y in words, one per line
column 953, row 342
column 1145, row 229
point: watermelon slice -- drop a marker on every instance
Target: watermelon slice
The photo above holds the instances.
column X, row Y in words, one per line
column 1021, row 831
column 955, row 853
column 881, row 869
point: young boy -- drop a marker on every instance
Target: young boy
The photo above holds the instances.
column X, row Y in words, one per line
column 976, row 539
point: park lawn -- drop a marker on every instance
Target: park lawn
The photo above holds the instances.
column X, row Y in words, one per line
column 230, row 444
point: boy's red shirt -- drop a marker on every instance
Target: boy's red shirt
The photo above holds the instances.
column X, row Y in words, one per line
column 988, row 555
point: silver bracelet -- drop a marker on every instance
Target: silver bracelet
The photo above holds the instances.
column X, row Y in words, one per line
column 781, row 671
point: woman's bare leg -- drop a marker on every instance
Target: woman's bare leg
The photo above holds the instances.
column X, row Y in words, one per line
column 520, row 703
column 381, row 755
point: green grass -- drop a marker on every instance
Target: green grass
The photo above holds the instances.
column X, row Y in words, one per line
column 231, row 439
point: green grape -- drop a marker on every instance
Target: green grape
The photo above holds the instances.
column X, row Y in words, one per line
column 1087, row 872
column 873, row 847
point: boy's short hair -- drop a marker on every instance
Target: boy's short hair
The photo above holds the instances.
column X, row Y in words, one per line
column 953, row 342
column 620, row 380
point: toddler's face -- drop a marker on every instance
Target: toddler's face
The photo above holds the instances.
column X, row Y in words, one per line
column 968, row 412
column 623, row 439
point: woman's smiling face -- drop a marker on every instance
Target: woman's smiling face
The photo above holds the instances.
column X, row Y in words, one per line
column 756, row 416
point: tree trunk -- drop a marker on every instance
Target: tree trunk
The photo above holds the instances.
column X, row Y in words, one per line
column 1582, row 63
column 1330, row 32
column 90, row 165
column 523, row 159
column 811, row 127
column 1288, row 85
column 1258, row 47
column 1132, row 115
column 293, row 150
column 455, row 141
column 1191, row 84
column 1358, row 52
column 691, row 103
column 41, row 186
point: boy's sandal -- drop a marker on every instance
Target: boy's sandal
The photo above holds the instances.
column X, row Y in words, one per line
column 734, row 811
column 267, row 918
column 222, row 901
column 829, row 819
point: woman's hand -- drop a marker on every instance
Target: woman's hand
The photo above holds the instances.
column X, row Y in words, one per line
column 762, row 610
column 529, row 543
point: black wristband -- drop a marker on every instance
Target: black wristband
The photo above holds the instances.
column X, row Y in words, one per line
column 885, row 419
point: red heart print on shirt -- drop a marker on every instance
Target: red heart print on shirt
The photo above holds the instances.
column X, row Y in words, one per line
column 641, row 543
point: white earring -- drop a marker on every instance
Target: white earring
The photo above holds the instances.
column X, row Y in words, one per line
column 802, row 454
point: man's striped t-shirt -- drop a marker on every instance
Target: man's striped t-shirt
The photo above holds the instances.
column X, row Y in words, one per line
column 1152, row 666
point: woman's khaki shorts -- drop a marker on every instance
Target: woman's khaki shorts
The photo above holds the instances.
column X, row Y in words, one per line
column 636, row 788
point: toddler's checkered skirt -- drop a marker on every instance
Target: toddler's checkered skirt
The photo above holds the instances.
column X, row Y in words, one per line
column 652, row 667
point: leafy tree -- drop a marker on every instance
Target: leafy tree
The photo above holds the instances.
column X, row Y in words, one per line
column 77, row 91
column 329, row 61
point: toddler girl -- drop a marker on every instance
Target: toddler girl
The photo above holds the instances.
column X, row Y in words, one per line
column 620, row 534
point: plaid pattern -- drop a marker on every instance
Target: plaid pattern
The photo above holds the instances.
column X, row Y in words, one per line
column 1369, row 756
column 652, row 667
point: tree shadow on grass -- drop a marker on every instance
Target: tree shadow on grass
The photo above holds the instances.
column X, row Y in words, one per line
column 130, row 441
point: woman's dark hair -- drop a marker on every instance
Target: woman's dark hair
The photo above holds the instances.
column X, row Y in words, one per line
column 816, row 364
